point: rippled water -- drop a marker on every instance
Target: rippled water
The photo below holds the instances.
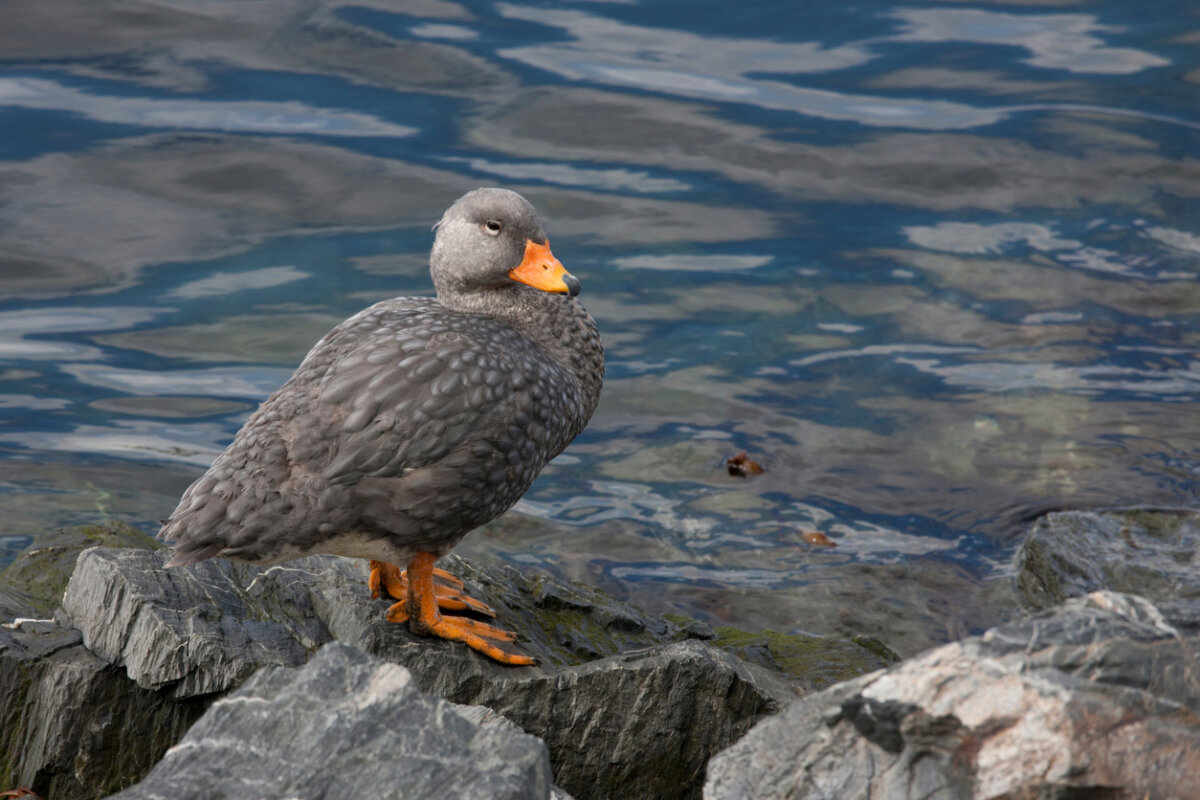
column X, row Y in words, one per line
column 935, row 266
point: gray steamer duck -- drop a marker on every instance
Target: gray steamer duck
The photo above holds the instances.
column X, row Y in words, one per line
column 412, row 423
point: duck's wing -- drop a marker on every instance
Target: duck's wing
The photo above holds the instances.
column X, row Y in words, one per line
column 423, row 386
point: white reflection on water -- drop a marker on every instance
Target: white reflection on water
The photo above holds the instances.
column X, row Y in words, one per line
column 244, row 116
column 613, row 500
column 690, row 262
column 32, row 401
column 1178, row 240
column 220, row 283
column 976, row 239
column 971, row 238
column 879, row 350
column 882, row 544
column 726, row 69
column 15, row 326
column 997, row 376
column 568, row 175
column 719, row 68
column 196, row 443
column 433, row 30
column 1054, row 41
column 239, row 382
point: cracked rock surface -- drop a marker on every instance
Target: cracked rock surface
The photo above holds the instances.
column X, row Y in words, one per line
column 346, row 724
column 1099, row 698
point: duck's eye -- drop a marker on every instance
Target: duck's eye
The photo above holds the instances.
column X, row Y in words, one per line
column 493, row 227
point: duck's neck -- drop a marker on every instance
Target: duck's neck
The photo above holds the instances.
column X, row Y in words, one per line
column 559, row 324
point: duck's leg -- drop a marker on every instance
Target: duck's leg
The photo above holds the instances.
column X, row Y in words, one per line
column 391, row 581
column 421, row 610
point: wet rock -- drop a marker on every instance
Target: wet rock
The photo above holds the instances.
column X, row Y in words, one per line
column 346, row 724
column 1099, row 698
column 194, row 632
column 628, row 704
column 71, row 724
column 1151, row 553
column 43, row 569
column 639, row 724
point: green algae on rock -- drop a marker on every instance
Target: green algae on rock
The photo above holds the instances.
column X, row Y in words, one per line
column 815, row 662
column 41, row 571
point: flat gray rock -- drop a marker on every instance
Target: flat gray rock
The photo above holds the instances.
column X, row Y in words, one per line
column 346, row 724
column 1098, row 698
column 200, row 630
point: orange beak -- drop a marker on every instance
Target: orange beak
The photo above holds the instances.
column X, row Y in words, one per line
column 541, row 270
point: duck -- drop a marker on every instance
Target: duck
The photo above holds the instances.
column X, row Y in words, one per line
column 413, row 423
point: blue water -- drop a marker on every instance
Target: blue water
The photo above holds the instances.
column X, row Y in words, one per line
column 934, row 266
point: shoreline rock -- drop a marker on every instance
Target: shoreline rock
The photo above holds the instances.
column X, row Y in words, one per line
column 1097, row 693
column 345, row 724
column 1153, row 553
column 639, row 721
column 1099, row 696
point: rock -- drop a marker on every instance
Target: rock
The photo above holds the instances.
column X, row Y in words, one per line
column 194, row 631
column 641, row 724
column 1152, row 553
column 814, row 662
column 43, row 569
column 1097, row 698
column 629, row 705
column 71, row 724
column 346, row 724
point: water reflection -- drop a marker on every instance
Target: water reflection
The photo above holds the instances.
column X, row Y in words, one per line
column 607, row 52
column 1169, row 383
column 195, row 444
column 935, row 268
column 230, row 282
column 567, row 175
column 976, row 238
column 238, row 382
column 1069, row 42
column 16, row 328
column 246, row 117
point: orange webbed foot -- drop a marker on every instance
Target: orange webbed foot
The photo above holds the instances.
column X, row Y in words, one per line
column 391, row 581
column 422, row 598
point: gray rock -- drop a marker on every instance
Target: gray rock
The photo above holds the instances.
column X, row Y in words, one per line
column 638, row 724
column 42, row 569
column 71, row 724
column 344, row 725
column 1098, row 698
column 196, row 631
column 486, row 717
column 1154, row 554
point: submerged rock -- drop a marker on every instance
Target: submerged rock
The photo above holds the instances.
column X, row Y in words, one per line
column 43, row 569
column 346, row 724
column 629, row 705
column 1151, row 553
column 1100, row 697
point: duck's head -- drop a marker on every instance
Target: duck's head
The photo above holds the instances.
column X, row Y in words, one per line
column 492, row 239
